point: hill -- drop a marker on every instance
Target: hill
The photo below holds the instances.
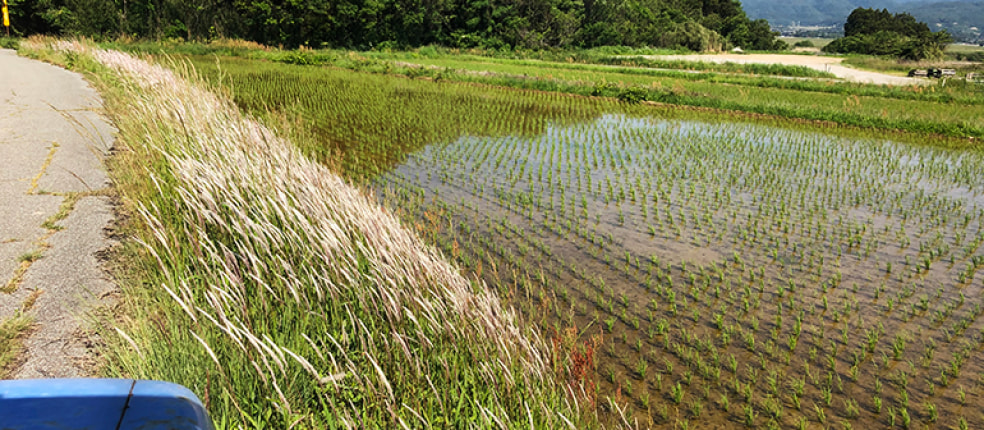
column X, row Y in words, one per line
column 963, row 19
column 810, row 12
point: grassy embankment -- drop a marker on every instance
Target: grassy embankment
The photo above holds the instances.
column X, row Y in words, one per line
column 600, row 55
column 283, row 296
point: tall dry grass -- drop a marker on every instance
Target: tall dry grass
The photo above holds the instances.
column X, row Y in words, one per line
column 282, row 295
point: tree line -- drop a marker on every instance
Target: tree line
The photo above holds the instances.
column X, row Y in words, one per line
column 879, row 32
column 362, row 24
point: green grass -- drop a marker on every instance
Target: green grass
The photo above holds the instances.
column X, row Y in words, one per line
column 281, row 295
column 901, row 67
column 625, row 63
column 955, row 48
column 629, row 65
column 706, row 82
column 30, row 257
column 727, row 67
column 9, row 42
column 965, row 52
column 952, row 110
column 366, row 123
column 818, row 42
column 949, row 119
column 12, row 331
column 948, row 111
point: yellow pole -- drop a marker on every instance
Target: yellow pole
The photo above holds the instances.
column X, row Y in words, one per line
column 6, row 18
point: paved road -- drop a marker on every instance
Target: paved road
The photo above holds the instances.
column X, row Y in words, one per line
column 52, row 145
column 816, row 62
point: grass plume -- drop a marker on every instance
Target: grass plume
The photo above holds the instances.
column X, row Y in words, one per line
column 285, row 297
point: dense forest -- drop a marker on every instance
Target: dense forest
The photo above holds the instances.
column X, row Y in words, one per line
column 694, row 24
column 879, row 32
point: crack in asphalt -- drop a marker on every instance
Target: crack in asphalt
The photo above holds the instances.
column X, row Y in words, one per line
column 52, row 222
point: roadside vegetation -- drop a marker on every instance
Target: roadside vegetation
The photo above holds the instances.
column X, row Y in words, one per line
column 283, row 296
column 9, row 42
column 816, row 43
column 12, row 331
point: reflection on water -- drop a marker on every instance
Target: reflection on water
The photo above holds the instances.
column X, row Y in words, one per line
column 684, row 237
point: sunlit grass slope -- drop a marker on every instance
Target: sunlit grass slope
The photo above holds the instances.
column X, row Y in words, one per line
column 283, row 296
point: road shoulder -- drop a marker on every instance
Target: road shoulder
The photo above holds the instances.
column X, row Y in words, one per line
column 56, row 210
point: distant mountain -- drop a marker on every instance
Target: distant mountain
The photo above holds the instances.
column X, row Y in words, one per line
column 964, row 19
column 809, row 12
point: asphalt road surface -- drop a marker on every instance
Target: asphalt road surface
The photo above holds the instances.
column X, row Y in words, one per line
column 52, row 144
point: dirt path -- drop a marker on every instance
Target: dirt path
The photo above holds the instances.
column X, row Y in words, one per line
column 53, row 211
column 816, row 62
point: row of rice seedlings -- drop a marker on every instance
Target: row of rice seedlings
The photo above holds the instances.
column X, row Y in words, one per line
column 750, row 208
column 364, row 124
column 284, row 297
column 946, row 112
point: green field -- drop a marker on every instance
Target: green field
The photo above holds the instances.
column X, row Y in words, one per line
column 818, row 42
column 963, row 48
column 968, row 52
column 726, row 273
column 774, row 253
column 716, row 272
column 951, row 109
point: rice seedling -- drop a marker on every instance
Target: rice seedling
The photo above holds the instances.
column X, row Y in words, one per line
column 906, row 419
column 677, row 393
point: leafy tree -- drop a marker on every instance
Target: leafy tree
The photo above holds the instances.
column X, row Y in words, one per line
column 27, row 17
column 92, row 18
column 694, row 37
column 495, row 24
column 878, row 32
column 864, row 21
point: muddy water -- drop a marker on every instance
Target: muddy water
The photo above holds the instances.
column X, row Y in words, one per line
column 727, row 274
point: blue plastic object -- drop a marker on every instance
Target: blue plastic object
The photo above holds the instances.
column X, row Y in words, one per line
column 99, row 404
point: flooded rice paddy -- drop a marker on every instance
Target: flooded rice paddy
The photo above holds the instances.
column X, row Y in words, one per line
column 714, row 275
